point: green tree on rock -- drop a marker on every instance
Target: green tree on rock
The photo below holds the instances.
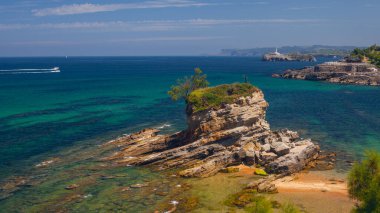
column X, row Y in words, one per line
column 364, row 183
column 186, row 85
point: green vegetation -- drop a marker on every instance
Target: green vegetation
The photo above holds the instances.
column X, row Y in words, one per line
column 289, row 208
column 260, row 172
column 186, row 85
column 195, row 91
column 214, row 97
column 371, row 53
column 364, row 183
column 251, row 201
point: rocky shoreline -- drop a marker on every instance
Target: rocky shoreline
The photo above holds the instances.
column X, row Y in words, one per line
column 217, row 138
column 337, row 72
column 233, row 138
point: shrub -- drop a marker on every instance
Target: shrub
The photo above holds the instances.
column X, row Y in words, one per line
column 214, row 97
column 186, row 85
column 364, row 183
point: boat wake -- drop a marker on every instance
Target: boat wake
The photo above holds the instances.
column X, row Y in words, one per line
column 30, row 71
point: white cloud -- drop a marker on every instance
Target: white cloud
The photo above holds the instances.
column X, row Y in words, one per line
column 95, row 8
column 155, row 25
column 118, row 41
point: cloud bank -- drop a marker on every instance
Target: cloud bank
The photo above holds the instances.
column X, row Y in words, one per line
column 95, row 8
column 154, row 25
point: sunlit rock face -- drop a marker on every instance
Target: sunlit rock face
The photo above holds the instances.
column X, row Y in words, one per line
column 217, row 138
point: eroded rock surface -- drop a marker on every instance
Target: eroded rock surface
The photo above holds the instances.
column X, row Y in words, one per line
column 217, row 138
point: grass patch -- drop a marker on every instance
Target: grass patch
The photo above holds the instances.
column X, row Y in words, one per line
column 214, row 97
column 250, row 201
column 290, row 208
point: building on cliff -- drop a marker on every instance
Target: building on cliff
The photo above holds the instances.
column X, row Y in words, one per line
column 277, row 56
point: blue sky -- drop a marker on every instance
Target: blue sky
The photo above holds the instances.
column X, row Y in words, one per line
column 180, row 27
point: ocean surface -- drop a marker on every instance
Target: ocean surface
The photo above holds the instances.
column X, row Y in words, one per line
column 93, row 99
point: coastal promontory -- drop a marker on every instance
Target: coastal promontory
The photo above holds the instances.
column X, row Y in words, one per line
column 360, row 68
column 276, row 56
column 342, row 72
column 226, row 127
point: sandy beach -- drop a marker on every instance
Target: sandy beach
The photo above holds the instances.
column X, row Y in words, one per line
column 315, row 191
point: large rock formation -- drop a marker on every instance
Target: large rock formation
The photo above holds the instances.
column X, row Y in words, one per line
column 337, row 72
column 218, row 137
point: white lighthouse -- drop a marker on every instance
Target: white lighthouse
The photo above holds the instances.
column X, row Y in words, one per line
column 276, row 52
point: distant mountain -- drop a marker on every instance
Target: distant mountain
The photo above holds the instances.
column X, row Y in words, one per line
column 315, row 50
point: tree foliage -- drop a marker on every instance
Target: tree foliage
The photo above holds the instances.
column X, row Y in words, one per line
column 371, row 53
column 186, row 85
column 364, row 183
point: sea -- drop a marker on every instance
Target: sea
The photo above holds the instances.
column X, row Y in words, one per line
column 67, row 115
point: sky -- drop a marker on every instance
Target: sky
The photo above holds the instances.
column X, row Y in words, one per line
column 180, row 27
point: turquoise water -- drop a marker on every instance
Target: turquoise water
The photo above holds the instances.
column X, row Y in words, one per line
column 94, row 99
column 93, row 96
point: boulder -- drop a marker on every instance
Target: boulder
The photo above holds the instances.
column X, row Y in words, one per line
column 280, row 148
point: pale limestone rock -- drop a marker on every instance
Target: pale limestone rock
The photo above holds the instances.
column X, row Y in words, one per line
column 217, row 138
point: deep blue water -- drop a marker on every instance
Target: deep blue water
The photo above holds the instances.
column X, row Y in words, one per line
column 102, row 97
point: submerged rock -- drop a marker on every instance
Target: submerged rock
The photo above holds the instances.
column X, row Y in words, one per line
column 264, row 185
column 72, row 186
column 216, row 138
column 139, row 185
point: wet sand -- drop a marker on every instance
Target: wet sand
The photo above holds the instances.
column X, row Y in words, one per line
column 315, row 191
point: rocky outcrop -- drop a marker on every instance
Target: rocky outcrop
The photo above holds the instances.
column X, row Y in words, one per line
column 217, row 138
column 288, row 57
column 337, row 72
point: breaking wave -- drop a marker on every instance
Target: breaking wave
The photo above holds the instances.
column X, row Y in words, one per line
column 164, row 126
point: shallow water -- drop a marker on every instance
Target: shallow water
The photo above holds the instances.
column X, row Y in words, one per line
column 98, row 98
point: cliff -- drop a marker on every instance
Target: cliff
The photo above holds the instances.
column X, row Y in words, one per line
column 218, row 136
column 337, row 72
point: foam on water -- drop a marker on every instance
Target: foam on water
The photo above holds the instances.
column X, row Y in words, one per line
column 29, row 71
column 164, row 126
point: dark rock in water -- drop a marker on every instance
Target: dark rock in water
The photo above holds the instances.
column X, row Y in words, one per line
column 217, row 138
column 337, row 72
column 5, row 196
column 104, row 177
column 124, row 189
column 72, row 186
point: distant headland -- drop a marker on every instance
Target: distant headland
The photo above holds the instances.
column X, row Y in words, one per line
column 314, row 50
column 277, row 56
column 362, row 67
